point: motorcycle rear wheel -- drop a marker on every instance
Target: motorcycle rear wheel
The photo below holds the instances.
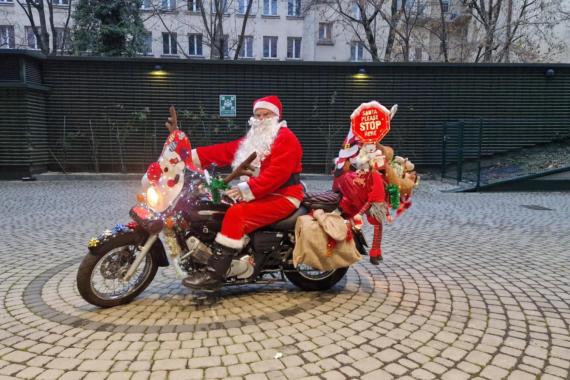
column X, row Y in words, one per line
column 110, row 260
column 311, row 279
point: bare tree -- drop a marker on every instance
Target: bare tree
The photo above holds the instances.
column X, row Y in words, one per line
column 402, row 21
column 519, row 30
column 43, row 9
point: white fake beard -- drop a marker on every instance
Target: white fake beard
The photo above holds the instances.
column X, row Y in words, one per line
column 258, row 139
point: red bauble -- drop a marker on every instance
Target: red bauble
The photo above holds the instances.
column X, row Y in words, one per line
column 154, row 172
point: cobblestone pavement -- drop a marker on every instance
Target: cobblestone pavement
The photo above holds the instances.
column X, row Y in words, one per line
column 472, row 286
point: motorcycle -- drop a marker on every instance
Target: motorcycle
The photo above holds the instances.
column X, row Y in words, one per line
column 122, row 262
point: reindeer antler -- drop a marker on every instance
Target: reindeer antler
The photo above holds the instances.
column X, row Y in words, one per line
column 243, row 169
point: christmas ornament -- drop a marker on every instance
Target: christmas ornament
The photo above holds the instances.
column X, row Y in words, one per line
column 132, row 225
column 93, row 243
column 119, row 229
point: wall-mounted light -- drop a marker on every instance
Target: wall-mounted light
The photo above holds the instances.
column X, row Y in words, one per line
column 549, row 73
column 158, row 71
column 361, row 74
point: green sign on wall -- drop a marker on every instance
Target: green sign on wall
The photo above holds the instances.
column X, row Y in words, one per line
column 227, row 106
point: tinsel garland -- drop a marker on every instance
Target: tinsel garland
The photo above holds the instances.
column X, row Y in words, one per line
column 216, row 186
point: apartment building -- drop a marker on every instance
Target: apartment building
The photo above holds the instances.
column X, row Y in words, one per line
column 307, row 30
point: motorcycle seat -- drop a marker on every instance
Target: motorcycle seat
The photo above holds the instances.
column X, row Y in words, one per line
column 288, row 224
column 326, row 200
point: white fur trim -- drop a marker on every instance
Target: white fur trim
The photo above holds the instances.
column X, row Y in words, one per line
column 295, row 201
column 372, row 104
column 196, row 159
column 344, row 153
column 268, row 106
column 245, row 191
column 229, row 242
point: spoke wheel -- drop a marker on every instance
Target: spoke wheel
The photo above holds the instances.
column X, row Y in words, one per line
column 100, row 278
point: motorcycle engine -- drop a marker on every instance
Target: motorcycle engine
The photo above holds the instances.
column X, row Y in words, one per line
column 199, row 252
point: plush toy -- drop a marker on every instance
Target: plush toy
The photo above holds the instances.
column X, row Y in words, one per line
column 369, row 176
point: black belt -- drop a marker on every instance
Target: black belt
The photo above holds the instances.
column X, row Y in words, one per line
column 295, row 179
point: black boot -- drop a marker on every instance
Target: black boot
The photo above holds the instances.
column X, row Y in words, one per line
column 213, row 278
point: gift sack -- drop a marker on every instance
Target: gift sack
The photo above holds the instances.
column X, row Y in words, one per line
column 324, row 242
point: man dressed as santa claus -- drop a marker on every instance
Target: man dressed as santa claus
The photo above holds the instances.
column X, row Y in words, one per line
column 271, row 193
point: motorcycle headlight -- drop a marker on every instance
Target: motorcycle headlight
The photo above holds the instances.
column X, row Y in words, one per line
column 153, row 197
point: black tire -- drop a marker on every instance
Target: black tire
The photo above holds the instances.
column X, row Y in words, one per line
column 90, row 261
column 327, row 281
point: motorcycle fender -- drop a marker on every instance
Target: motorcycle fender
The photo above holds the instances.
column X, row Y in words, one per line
column 157, row 251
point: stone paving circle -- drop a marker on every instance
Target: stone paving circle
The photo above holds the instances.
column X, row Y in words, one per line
column 473, row 286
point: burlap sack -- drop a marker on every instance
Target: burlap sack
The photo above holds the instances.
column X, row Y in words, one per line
column 321, row 242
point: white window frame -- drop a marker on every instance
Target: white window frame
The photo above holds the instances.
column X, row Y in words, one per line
column 418, row 57
column 60, row 43
column 146, row 5
column 356, row 51
column 269, row 7
column 271, row 43
column 61, row 3
column 193, row 6
column 294, row 44
column 246, row 50
column 147, row 48
column 7, row 34
column 326, row 27
column 356, row 10
column 294, row 8
column 198, row 47
column 172, row 44
column 30, row 32
column 225, row 6
column 242, row 7
column 170, row 5
column 6, row 1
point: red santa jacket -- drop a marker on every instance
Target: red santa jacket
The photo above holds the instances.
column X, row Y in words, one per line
column 276, row 169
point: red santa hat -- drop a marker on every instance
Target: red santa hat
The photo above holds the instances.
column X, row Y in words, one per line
column 271, row 103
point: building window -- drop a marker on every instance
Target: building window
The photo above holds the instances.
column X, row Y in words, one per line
column 220, row 3
column 445, row 6
column 168, row 5
column 356, row 11
column 418, row 54
column 6, row 1
column 242, row 6
column 294, row 47
column 169, row 44
column 270, row 7
column 246, row 50
column 269, row 47
column 31, row 40
column 356, row 51
column 146, row 48
column 7, row 40
column 325, row 31
column 195, row 45
column 63, row 39
column 194, row 6
column 60, row 2
column 294, row 8
column 146, row 4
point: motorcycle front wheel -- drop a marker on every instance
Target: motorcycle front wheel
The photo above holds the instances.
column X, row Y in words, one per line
column 311, row 279
column 100, row 276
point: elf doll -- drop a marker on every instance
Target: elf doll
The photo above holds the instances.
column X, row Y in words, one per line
column 360, row 171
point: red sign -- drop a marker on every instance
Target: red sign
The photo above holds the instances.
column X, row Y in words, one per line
column 370, row 125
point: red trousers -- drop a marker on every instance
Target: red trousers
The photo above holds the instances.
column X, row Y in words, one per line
column 245, row 217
